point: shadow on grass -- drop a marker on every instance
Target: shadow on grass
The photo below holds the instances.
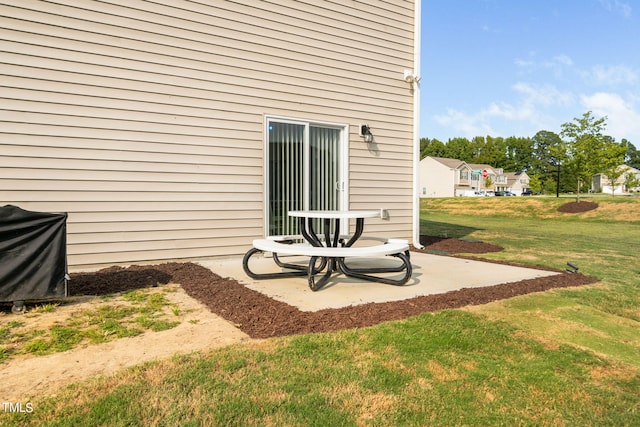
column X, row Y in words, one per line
column 445, row 230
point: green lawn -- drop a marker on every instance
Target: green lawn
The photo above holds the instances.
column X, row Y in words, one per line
column 563, row 357
column 604, row 243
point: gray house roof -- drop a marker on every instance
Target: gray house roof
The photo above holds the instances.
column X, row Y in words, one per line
column 452, row 163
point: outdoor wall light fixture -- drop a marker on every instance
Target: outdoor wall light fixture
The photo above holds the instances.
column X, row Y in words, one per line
column 365, row 131
column 409, row 77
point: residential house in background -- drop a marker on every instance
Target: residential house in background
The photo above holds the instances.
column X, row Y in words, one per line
column 184, row 130
column 487, row 174
column 445, row 177
column 602, row 183
column 517, row 182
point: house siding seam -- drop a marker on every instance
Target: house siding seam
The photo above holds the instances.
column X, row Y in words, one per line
column 144, row 120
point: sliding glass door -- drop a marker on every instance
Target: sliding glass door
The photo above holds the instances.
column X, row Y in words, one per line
column 305, row 170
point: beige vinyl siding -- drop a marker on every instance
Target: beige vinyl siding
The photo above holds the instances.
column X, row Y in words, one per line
column 144, row 119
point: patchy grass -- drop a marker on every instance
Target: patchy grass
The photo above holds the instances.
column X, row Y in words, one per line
column 447, row 368
column 563, row 357
column 619, row 209
column 603, row 318
column 54, row 327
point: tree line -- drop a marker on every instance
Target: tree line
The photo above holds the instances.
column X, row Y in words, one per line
column 555, row 162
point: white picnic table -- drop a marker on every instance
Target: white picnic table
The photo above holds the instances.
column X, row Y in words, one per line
column 331, row 238
column 328, row 252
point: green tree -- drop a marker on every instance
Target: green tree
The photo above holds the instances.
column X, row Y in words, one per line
column 613, row 174
column 459, row 148
column 431, row 147
column 478, row 144
column 488, row 183
column 632, row 155
column 491, row 151
column 549, row 154
column 535, row 183
column 631, row 182
column 518, row 154
column 585, row 148
column 612, row 162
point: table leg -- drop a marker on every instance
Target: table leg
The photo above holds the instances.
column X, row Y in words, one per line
column 342, row 266
column 306, row 228
column 360, row 273
column 277, row 260
column 327, row 233
column 332, row 264
column 297, row 270
column 358, row 233
column 308, row 233
column 313, row 285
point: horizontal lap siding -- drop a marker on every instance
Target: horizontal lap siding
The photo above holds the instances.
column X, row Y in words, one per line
column 144, row 119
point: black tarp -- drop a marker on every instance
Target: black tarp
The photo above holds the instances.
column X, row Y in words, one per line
column 33, row 255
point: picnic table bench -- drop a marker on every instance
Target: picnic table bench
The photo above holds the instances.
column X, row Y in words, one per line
column 328, row 253
column 320, row 259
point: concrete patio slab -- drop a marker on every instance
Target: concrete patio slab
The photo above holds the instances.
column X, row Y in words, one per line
column 432, row 274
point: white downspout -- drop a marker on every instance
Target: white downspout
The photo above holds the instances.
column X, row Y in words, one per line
column 416, row 124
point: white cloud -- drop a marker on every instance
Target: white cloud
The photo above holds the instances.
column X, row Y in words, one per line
column 558, row 64
column 625, row 8
column 563, row 60
column 545, row 108
column 528, row 114
column 489, row 29
column 623, row 116
column 618, row 6
column 462, row 124
column 523, row 63
column 545, row 95
column 612, row 75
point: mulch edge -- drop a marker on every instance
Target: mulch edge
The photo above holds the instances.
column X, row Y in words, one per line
column 260, row 316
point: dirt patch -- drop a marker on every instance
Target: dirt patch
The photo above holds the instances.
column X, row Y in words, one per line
column 577, row 207
column 25, row 376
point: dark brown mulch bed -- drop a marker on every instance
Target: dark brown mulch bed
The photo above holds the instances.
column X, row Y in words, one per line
column 577, row 207
column 455, row 246
column 262, row 317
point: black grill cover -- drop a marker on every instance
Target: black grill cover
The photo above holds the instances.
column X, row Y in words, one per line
column 33, row 254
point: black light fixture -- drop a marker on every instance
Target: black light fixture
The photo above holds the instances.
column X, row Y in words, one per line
column 365, row 131
column 572, row 268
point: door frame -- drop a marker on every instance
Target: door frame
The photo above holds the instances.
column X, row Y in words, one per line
column 343, row 155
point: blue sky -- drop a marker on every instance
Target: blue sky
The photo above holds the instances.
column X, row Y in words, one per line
column 513, row 68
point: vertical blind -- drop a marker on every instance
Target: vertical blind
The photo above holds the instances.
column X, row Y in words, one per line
column 303, row 173
column 324, row 168
column 286, row 176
